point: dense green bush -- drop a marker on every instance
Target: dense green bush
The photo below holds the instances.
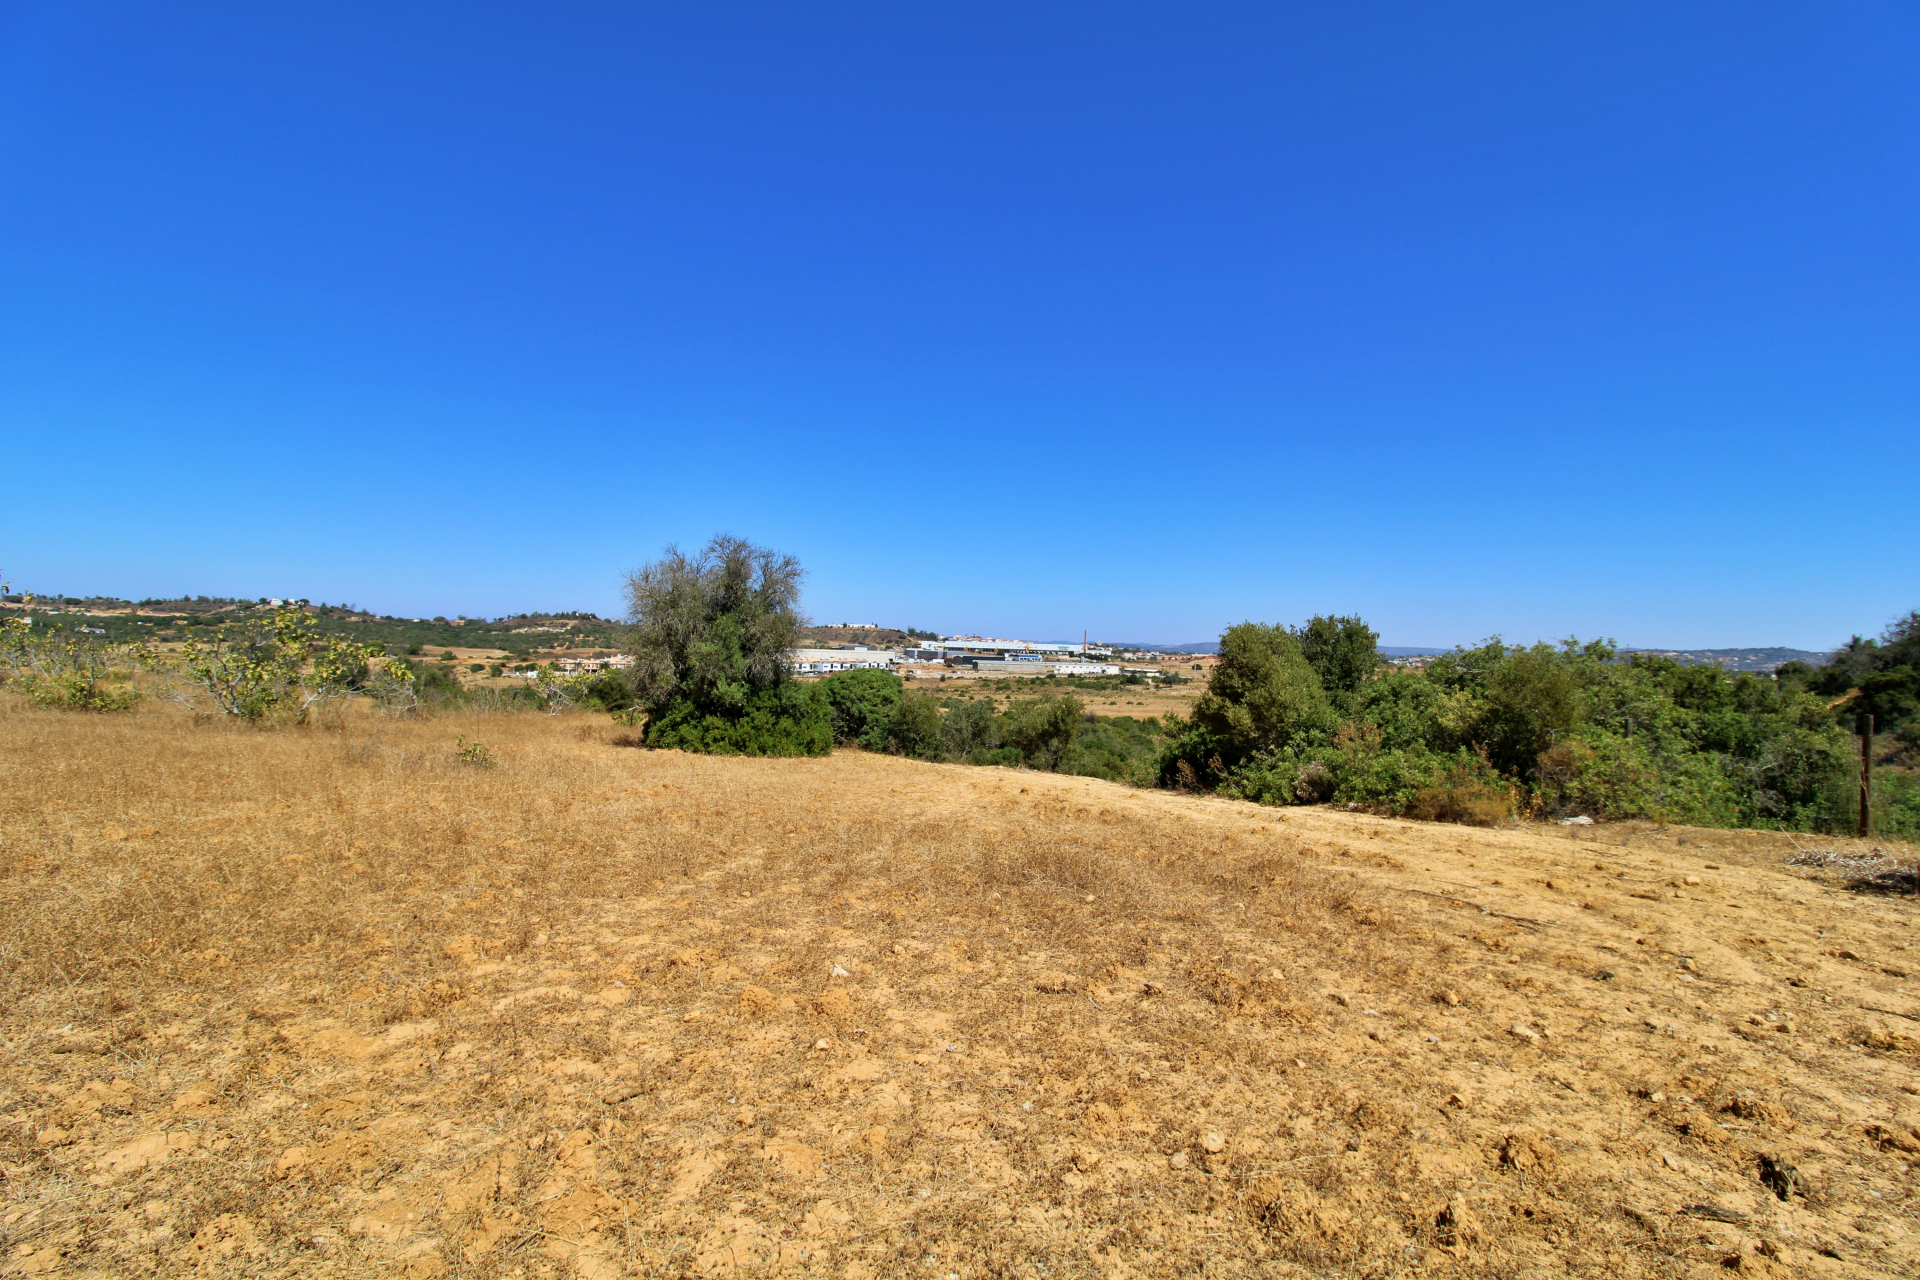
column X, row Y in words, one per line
column 1541, row 730
column 1118, row 748
column 437, row 685
column 967, row 730
column 1043, row 729
column 863, row 704
column 1343, row 652
column 1896, row 804
column 1886, row 675
column 1262, row 695
column 913, row 727
column 792, row 719
column 605, row 691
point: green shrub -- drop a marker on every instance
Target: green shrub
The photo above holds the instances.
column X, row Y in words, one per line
column 82, row 691
column 437, row 685
column 1611, row 778
column 914, row 727
column 604, row 691
column 792, row 719
column 1043, row 729
column 1118, row 748
column 473, row 753
column 1896, row 804
column 862, row 706
column 968, row 729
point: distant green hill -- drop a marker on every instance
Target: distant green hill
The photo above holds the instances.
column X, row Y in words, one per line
column 522, row 636
column 1739, row 659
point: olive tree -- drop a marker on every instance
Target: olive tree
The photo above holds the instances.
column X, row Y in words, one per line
column 709, row 634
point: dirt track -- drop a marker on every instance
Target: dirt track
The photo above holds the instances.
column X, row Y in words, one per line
column 314, row 1003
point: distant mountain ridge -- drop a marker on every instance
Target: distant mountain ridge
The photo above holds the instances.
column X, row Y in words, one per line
column 1198, row 646
column 1213, row 646
column 1754, row 659
column 1757, row 658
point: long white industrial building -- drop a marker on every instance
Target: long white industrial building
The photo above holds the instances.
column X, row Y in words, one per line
column 820, row 662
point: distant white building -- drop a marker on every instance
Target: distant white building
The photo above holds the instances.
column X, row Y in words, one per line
column 821, row 662
column 586, row 666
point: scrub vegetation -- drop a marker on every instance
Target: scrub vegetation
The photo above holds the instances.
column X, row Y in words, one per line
column 1291, row 715
column 1308, row 715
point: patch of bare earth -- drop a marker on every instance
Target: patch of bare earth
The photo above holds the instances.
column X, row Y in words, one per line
column 332, row 1002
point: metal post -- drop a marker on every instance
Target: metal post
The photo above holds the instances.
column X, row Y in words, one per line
column 1864, row 726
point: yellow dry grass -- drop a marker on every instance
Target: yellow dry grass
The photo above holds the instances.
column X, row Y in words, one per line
column 331, row 1003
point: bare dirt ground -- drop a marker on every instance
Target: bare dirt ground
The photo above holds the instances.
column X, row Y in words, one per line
column 333, row 1003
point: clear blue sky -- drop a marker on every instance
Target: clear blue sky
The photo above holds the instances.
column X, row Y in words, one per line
column 1024, row 318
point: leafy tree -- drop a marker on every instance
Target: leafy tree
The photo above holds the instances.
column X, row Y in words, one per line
column 1262, row 693
column 1042, row 729
column 863, row 704
column 967, row 729
column 1892, row 698
column 914, row 726
column 709, row 635
column 1343, row 651
column 1886, row 674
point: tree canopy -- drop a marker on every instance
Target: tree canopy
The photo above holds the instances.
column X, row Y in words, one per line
column 1308, row 715
column 709, row 634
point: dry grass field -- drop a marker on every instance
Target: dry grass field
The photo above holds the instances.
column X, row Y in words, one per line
column 331, row 1002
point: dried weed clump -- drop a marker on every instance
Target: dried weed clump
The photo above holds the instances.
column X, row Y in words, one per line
column 337, row 1002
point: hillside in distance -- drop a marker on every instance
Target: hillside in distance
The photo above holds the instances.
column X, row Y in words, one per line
column 169, row 621
column 1748, row 659
column 525, row 634
column 871, row 634
column 1762, row 659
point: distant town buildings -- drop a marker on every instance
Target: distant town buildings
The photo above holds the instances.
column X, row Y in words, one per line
column 822, row 662
column 591, row 666
column 985, row 655
column 975, row 647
